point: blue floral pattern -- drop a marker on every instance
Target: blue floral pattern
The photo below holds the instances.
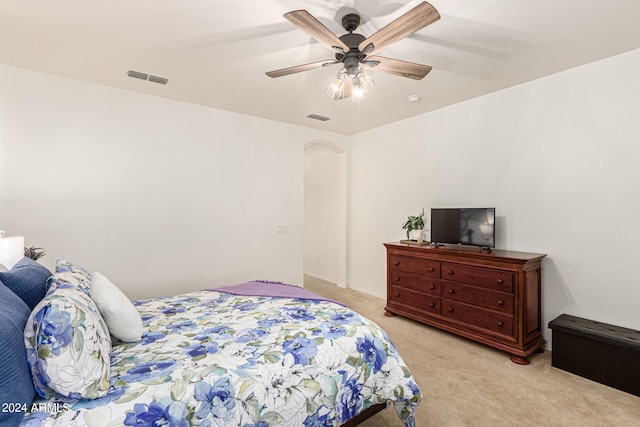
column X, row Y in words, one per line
column 215, row 359
column 69, row 275
column 68, row 345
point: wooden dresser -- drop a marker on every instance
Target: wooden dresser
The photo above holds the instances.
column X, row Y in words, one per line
column 490, row 297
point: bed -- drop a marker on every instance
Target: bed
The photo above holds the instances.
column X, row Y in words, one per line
column 247, row 356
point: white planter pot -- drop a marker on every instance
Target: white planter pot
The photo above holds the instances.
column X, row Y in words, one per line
column 415, row 235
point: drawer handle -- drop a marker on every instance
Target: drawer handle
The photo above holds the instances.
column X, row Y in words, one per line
column 432, row 304
column 450, row 310
column 500, row 302
column 431, row 269
column 500, row 324
column 450, row 272
column 451, row 291
column 432, row 286
column 500, row 281
column 396, row 294
column 396, row 263
column 397, row 279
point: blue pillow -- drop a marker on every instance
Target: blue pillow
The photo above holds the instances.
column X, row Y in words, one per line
column 16, row 385
column 28, row 280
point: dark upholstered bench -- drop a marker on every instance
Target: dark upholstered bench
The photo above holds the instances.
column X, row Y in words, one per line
column 601, row 352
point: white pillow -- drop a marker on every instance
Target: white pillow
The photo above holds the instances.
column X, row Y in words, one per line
column 121, row 317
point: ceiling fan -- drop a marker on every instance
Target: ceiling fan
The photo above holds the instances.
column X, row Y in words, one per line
column 354, row 50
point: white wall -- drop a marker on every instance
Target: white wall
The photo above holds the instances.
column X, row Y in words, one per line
column 98, row 176
column 163, row 197
column 557, row 157
column 321, row 211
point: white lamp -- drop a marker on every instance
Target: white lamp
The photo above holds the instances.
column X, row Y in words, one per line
column 11, row 250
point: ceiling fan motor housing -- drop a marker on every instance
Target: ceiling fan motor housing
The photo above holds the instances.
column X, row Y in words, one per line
column 351, row 58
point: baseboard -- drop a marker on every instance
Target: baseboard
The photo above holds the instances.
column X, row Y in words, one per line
column 368, row 292
column 314, row 276
column 364, row 291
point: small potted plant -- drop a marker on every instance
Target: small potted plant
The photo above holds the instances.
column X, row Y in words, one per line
column 414, row 226
column 34, row 253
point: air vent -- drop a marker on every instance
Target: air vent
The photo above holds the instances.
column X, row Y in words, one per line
column 148, row 77
column 318, row 117
column 137, row 75
column 160, row 80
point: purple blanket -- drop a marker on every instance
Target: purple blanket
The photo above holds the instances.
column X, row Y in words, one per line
column 263, row 288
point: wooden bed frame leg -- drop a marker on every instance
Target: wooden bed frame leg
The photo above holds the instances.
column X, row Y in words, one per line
column 365, row 415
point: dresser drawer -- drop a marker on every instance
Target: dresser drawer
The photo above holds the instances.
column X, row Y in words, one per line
column 417, row 300
column 479, row 318
column 495, row 300
column 421, row 266
column 498, row 280
column 416, row 282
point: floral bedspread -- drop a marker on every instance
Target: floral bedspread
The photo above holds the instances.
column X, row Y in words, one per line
column 216, row 359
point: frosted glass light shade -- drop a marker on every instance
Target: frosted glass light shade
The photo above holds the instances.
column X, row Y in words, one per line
column 11, row 250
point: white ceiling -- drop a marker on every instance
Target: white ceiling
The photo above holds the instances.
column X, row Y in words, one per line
column 215, row 52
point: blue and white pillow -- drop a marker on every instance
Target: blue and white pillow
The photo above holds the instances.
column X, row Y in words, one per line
column 70, row 275
column 67, row 341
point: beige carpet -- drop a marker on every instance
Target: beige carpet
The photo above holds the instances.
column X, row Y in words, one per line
column 468, row 384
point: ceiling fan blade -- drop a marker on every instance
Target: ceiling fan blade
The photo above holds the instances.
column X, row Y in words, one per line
column 398, row 68
column 300, row 68
column 307, row 22
column 412, row 21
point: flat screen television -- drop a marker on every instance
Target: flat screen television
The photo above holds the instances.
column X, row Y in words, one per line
column 464, row 226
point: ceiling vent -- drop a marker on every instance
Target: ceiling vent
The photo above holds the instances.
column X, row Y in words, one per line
column 148, row 77
column 318, row 117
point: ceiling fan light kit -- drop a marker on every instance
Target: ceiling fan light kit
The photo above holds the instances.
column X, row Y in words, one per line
column 356, row 52
column 337, row 87
column 347, row 85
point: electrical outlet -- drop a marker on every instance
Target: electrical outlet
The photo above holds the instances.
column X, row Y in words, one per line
column 281, row 229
